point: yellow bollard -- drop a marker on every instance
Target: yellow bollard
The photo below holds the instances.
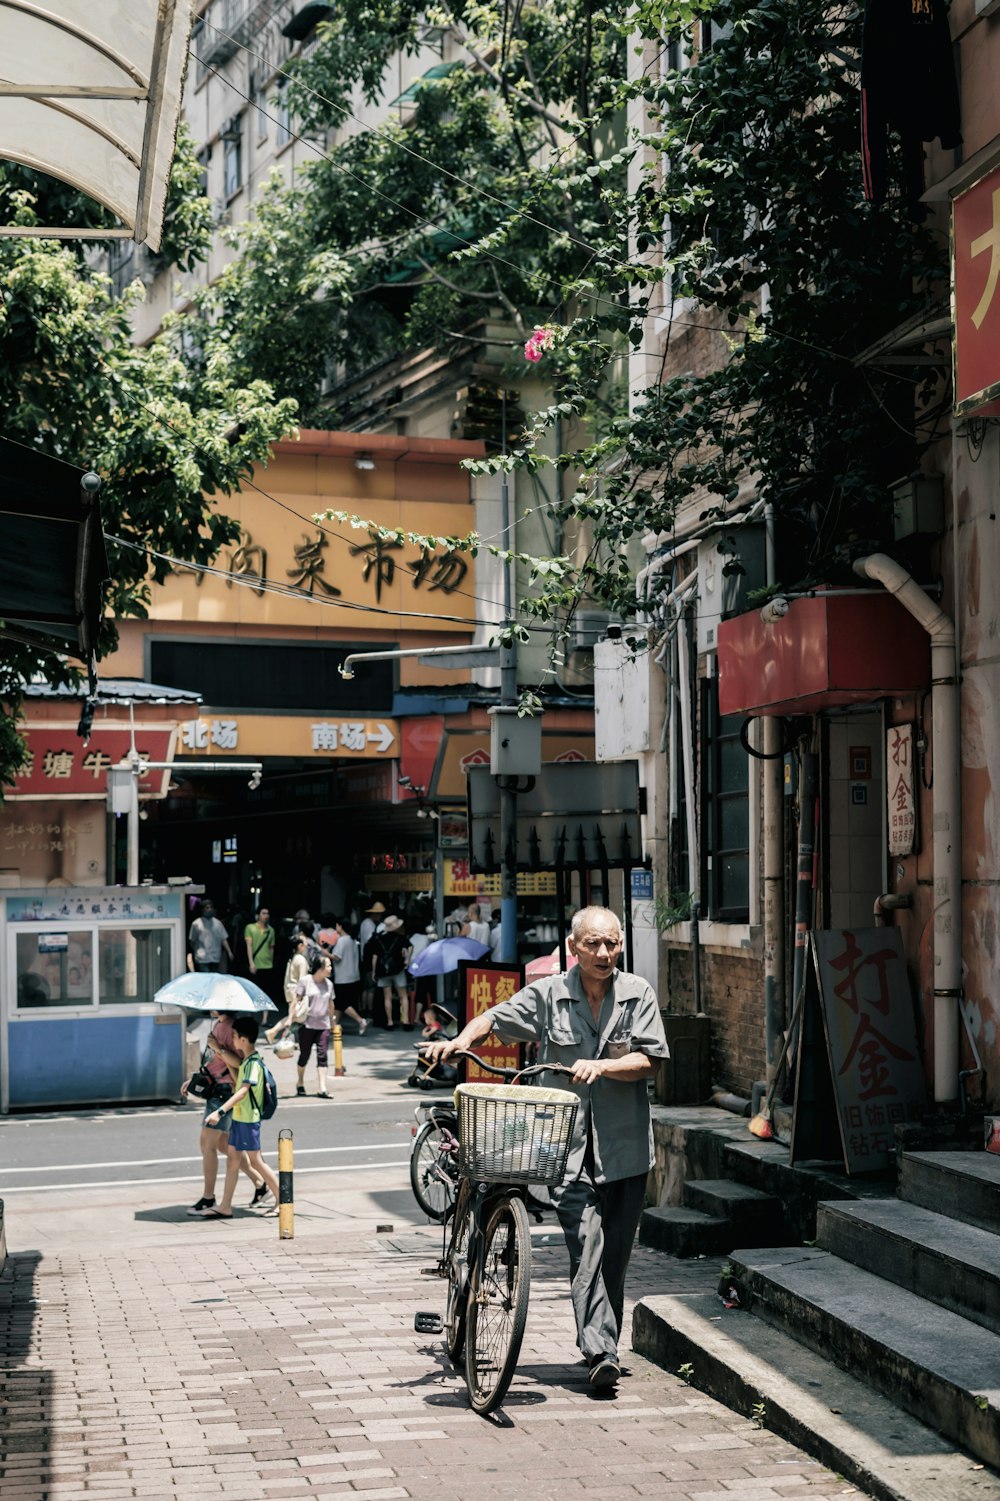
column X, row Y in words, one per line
column 286, row 1191
column 338, row 1053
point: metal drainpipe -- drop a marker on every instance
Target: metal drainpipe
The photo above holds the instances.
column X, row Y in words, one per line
column 685, row 674
column 947, row 839
column 774, row 866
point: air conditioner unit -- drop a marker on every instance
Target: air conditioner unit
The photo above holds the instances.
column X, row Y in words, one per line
column 221, row 213
column 588, row 627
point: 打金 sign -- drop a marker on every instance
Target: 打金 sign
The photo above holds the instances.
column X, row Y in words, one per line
column 976, row 293
column 878, row 1079
column 61, row 765
column 482, row 985
column 900, row 792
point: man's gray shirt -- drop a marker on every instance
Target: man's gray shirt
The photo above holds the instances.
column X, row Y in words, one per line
column 555, row 1012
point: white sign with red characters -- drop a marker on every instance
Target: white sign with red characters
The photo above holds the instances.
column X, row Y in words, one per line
column 900, row 791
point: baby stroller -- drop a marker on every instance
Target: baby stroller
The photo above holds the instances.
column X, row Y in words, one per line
column 444, row 1025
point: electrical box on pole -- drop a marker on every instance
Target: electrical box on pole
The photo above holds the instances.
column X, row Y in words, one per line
column 515, row 742
column 121, row 790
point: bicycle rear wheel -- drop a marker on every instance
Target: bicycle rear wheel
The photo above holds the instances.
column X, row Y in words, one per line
column 498, row 1304
column 458, row 1280
column 431, row 1172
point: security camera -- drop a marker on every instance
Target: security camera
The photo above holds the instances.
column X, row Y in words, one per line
column 403, row 781
column 254, row 781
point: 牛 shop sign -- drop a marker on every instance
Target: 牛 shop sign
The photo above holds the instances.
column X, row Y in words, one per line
column 61, row 765
column 975, row 260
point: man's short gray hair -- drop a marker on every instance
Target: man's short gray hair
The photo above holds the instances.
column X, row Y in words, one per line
column 588, row 914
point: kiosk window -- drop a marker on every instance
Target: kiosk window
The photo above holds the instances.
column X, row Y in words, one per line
column 55, row 969
column 134, row 963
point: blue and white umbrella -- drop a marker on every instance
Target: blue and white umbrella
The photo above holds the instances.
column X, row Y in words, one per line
column 444, row 955
column 209, row 991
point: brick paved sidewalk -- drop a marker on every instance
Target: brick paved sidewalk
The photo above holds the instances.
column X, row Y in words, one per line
column 292, row 1370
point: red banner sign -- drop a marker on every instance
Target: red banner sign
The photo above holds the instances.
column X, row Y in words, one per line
column 976, row 293
column 62, row 766
column 482, row 985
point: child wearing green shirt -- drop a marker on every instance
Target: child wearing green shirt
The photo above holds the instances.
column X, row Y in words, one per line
column 245, row 1103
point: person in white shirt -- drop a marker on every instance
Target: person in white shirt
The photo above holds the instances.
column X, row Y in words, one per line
column 347, row 974
column 475, row 928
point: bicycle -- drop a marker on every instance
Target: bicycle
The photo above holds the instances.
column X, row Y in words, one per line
column 510, row 1136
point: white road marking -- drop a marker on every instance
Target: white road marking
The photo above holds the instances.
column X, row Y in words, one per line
column 67, row 1167
column 47, row 1188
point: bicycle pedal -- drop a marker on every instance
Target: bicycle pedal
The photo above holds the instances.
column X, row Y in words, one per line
column 428, row 1323
column 434, row 1271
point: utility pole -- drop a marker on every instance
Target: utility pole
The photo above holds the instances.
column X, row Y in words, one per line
column 508, row 700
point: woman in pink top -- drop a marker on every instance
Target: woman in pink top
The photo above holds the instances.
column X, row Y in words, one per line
column 318, row 991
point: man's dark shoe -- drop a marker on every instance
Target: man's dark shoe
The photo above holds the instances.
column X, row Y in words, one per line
column 604, row 1371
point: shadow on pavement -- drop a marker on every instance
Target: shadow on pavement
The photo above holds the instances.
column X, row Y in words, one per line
column 25, row 1393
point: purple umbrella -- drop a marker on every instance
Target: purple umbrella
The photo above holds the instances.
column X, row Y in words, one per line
column 444, row 955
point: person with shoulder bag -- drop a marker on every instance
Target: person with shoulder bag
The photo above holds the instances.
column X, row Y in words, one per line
column 296, row 972
column 213, row 1082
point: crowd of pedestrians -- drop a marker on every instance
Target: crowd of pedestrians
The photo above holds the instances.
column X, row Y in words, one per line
column 324, row 973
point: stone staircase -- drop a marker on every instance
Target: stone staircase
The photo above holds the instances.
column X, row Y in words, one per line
column 717, row 1213
column 877, row 1347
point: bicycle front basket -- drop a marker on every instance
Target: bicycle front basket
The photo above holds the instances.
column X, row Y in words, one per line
column 513, row 1133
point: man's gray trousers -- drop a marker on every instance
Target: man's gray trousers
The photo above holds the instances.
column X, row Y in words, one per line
column 599, row 1221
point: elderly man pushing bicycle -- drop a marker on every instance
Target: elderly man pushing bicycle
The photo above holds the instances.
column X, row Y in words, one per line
column 604, row 1025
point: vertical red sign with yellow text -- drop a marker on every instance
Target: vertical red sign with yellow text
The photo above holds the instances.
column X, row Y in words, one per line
column 975, row 245
column 482, row 985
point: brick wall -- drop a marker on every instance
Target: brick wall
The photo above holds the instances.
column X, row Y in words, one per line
column 732, row 995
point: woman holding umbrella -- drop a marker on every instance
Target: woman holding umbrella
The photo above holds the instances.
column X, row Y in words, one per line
column 223, row 1066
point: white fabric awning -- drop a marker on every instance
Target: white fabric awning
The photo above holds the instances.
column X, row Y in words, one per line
column 90, row 93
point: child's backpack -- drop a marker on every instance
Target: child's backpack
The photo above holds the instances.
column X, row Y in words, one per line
column 269, row 1101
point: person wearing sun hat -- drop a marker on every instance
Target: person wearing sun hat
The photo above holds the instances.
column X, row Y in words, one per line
column 389, row 953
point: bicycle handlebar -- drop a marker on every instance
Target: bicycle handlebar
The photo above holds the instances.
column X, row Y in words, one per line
column 508, row 1073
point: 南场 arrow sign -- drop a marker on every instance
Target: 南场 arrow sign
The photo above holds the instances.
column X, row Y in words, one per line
column 381, row 737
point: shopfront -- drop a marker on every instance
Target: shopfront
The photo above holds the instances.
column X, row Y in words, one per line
column 79, row 967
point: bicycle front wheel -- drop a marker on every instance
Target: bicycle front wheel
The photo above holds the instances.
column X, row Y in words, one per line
column 498, row 1305
column 431, row 1172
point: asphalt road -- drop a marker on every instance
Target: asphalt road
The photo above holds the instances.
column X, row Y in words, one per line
column 159, row 1145
column 70, row 1177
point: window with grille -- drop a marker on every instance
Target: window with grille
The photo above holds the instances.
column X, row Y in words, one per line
column 725, row 810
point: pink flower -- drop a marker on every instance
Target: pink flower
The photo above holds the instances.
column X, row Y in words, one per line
column 541, row 340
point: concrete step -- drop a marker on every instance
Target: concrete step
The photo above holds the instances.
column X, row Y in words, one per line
column 725, row 1199
column 934, row 1364
column 956, row 1266
column 764, row 1373
column 684, row 1232
column 963, row 1185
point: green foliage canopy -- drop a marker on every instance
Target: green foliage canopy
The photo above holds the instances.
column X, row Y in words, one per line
column 161, row 434
column 539, row 175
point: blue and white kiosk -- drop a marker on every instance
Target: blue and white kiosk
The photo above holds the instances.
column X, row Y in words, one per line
column 79, row 967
